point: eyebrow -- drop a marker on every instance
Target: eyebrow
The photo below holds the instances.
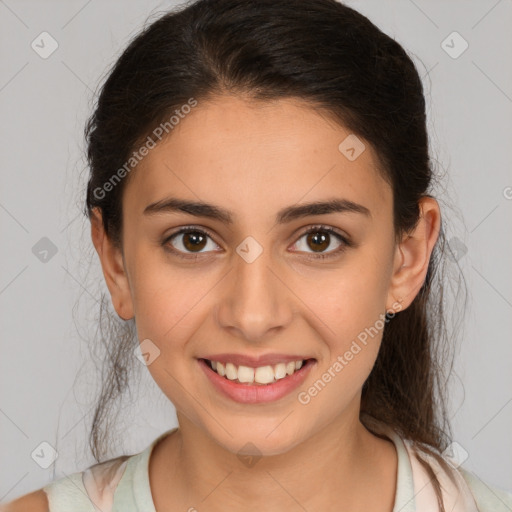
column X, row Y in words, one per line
column 288, row 214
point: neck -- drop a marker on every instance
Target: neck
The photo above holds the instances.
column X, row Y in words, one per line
column 344, row 460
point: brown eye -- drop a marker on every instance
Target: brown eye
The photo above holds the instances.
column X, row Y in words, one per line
column 190, row 241
column 193, row 241
column 318, row 239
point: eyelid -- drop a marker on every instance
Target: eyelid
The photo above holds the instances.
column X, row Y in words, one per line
column 193, row 228
column 323, row 227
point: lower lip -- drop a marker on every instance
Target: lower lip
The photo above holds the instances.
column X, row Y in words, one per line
column 257, row 393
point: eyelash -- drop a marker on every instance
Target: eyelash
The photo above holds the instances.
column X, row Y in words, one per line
column 345, row 242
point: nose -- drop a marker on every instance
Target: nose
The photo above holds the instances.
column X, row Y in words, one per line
column 256, row 301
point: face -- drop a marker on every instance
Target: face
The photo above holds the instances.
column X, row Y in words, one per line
column 260, row 284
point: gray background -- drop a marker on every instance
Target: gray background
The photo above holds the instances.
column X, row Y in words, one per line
column 48, row 307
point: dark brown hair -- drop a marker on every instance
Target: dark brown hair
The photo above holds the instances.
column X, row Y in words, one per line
column 334, row 58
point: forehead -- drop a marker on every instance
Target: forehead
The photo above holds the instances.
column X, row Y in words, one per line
column 245, row 154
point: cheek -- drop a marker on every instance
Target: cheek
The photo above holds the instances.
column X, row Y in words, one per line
column 168, row 312
column 349, row 303
column 166, row 308
column 352, row 297
column 350, row 319
column 165, row 298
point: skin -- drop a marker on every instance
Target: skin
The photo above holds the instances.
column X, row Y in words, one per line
column 255, row 159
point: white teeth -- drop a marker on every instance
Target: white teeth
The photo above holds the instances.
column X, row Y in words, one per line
column 245, row 374
column 231, row 372
column 264, row 374
column 280, row 371
column 260, row 375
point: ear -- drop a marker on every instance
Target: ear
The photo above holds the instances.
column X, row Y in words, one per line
column 113, row 265
column 412, row 256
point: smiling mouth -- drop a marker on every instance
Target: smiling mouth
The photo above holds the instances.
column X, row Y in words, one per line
column 257, row 376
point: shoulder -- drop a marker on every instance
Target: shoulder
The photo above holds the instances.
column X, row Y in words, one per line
column 84, row 491
column 488, row 497
column 36, row 501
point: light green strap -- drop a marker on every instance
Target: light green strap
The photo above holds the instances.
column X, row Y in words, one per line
column 134, row 491
column 91, row 490
column 68, row 494
column 488, row 498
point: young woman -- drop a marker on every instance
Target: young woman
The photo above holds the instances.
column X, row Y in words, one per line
column 260, row 200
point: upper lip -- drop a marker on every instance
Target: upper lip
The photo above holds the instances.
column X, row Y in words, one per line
column 254, row 362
